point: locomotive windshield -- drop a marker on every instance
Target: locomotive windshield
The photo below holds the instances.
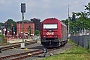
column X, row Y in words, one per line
column 50, row 26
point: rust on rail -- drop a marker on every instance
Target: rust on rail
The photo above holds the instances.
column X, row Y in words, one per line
column 24, row 55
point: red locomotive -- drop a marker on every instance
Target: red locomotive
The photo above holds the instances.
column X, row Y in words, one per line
column 53, row 33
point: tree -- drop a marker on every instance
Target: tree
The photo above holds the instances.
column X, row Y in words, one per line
column 29, row 30
column 1, row 24
column 79, row 21
column 65, row 21
column 87, row 7
column 73, row 17
column 10, row 22
column 11, row 25
column 37, row 32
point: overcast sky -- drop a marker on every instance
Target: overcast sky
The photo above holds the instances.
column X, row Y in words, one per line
column 41, row 9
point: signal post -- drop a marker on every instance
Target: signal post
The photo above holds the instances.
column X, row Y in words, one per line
column 23, row 10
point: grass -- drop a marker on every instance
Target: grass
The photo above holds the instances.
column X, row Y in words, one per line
column 74, row 53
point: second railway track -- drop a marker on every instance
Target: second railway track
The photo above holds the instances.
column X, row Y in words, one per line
column 15, row 45
column 24, row 55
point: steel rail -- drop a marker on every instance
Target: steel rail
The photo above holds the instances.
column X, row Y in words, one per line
column 24, row 55
column 19, row 54
column 17, row 45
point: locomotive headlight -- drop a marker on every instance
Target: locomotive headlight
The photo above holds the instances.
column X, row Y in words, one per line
column 44, row 36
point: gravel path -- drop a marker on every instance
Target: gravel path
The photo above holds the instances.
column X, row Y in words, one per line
column 34, row 47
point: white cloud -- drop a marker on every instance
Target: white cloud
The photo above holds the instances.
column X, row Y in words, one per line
column 40, row 8
column 4, row 5
column 46, row 1
column 3, row 1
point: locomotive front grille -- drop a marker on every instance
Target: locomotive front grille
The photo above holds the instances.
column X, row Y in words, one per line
column 50, row 40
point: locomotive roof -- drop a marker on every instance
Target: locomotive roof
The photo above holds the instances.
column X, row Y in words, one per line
column 56, row 19
column 62, row 23
column 50, row 18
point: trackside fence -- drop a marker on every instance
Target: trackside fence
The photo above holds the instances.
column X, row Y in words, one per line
column 83, row 40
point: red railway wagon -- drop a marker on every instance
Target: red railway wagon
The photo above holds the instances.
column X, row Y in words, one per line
column 53, row 33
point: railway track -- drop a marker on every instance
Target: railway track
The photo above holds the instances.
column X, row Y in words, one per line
column 24, row 55
column 14, row 45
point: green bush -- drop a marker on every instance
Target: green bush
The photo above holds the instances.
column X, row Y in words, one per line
column 2, row 38
column 37, row 32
